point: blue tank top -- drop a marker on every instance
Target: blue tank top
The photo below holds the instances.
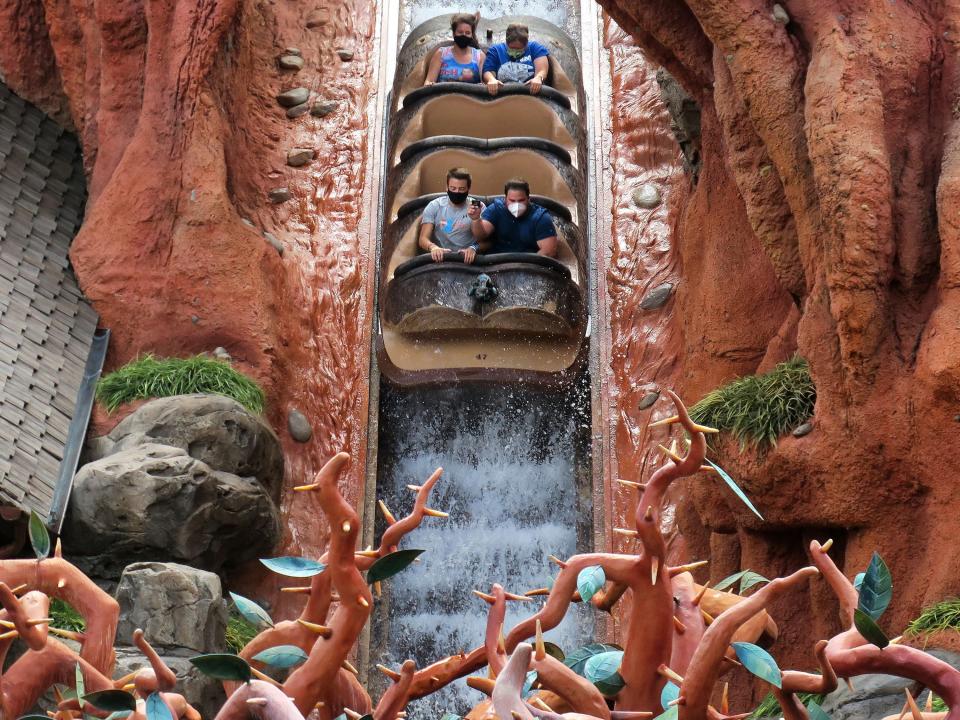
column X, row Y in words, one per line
column 453, row 71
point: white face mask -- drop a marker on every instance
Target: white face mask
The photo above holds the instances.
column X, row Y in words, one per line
column 517, row 208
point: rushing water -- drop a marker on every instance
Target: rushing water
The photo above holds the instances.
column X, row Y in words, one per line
column 511, row 462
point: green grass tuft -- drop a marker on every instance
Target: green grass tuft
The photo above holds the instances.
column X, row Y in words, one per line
column 945, row 615
column 938, row 705
column 757, row 409
column 769, row 707
column 150, row 377
column 239, row 632
column 65, row 617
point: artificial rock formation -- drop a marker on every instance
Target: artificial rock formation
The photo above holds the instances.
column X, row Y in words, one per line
column 829, row 148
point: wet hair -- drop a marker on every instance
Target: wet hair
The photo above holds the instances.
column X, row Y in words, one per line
column 516, row 183
column 517, row 33
column 459, row 173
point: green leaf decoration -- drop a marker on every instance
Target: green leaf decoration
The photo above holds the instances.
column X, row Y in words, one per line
column 869, row 629
column 749, row 579
column 33, row 717
column 252, row 613
column 528, row 684
column 858, row 581
column 554, row 650
column 80, row 688
column 669, row 693
column 578, row 658
column 39, row 537
column 446, row 716
column 816, row 712
column 111, row 700
column 758, row 661
column 876, row 589
column 602, row 670
column 589, row 581
column 157, row 709
column 736, row 488
column 281, row 656
column 223, row 666
column 297, row 567
column 730, row 580
column 670, row 714
column 390, row 565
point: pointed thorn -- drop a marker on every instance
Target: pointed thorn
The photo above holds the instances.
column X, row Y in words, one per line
column 345, row 526
column 538, row 592
column 385, row 511
column 435, row 513
column 516, row 598
column 306, row 488
column 705, row 429
column 346, row 665
column 699, row 597
column 735, row 663
column 9, row 634
column 826, row 546
column 58, row 549
column 670, row 454
column 541, row 704
column 708, row 468
column 849, row 683
column 516, row 715
column 681, row 628
column 301, row 589
column 19, row 589
column 725, row 699
column 648, row 513
column 129, row 687
column 689, row 567
column 363, row 601
column 670, row 674
column 484, row 685
column 68, row 634
column 352, row 714
column 7, row 624
column 321, row 630
column 626, row 532
column 61, row 584
column 39, row 621
column 484, row 596
column 257, row 701
column 320, row 704
column 558, row 561
column 377, row 588
column 631, row 483
column 707, row 617
column 914, row 710
column 501, row 642
column 896, row 640
column 541, row 652
column 415, row 488
column 265, row 677
column 392, row 674
column 367, row 553
column 673, row 419
column 928, row 705
column 654, row 568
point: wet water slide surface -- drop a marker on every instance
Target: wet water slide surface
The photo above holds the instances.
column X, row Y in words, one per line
column 504, row 404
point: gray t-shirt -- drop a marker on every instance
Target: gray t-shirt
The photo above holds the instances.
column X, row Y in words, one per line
column 451, row 224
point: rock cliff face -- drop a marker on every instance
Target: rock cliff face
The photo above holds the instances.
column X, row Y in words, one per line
column 826, row 205
column 200, row 231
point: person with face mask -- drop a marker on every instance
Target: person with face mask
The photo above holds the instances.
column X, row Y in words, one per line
column 447, row 222
column 518, row 60
column 519, row 225
column 462, row 61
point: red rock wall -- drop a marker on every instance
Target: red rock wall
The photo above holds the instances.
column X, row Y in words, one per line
column 826, row 206
column 183, row 139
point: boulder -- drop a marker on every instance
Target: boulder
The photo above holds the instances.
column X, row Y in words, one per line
column 213, row 429
column 175, row 605
column 156, row 502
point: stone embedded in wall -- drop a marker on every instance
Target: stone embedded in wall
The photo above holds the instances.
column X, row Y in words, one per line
column 345, row 55
column 657, row 297
column 175, row 606
column 299, row 426
column 647, row 196
column 779, row 14
column 290, row 62
column 298, row 110
column 299, row 156
column 155, row 502
column 294, row 96
column 276, row 244
column 320, row 108
column 803, row 429
column 648, row 400
column 279, row 195
column 214, row 429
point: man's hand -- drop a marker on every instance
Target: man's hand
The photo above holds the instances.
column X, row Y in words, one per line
column 534, row 83
column 473, row 212
column 493, row 86
column 437, row 252
column 469, row 255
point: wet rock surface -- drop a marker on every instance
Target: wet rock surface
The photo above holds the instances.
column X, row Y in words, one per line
column 299, row 426
column 299, row 156
column 213, row 429
column 155, row 502
column 647, row 196
column 175, row 606
column 320, row 108
column 290, row 62
column 657, row 297
column 294, row 96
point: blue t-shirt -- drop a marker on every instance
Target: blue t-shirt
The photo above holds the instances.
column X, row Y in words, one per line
column 518, row 234
column 508, row 69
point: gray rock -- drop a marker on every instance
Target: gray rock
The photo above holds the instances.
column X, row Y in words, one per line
column 298, row 110
column 299, row 156
column 279, row 195
column 221, row 354
column 175, row 605
column 648, row 400
column 156, row 503
column 203, row 692
column 320, row 108
column 647, row 196
column 657, row 297
column 290, row 62
column 344, row 54
column 248, row 222
column 277, row 245
column 299, row 426
column 214, row 429
column 780, row 15
column 293, row 51
column 803, row 429
column 294, row 96
column 318, row 18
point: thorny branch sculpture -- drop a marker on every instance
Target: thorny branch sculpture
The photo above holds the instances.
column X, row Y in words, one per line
column 678, row 631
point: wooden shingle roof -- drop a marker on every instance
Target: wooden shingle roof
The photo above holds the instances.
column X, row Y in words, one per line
column 46, row 326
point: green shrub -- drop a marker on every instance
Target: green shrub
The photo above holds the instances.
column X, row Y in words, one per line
column 63, row 616
column 239, row 632
column 150, row 377
column 945, row 615
column 769, row 707
column 757, row 409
